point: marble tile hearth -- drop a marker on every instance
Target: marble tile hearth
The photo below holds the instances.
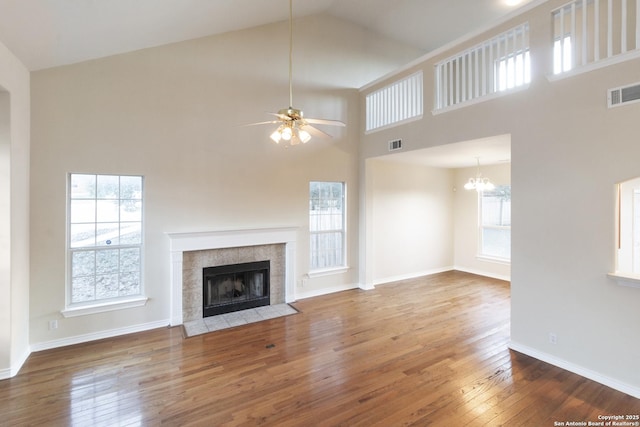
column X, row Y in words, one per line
column 237, row 318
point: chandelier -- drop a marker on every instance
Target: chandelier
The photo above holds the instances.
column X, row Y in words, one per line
column 479, row 183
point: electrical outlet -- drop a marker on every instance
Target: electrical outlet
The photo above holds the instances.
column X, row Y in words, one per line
column 553, row 338
column 53, row 324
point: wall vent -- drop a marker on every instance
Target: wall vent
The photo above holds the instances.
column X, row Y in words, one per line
column 624, row 95
column 396, row 144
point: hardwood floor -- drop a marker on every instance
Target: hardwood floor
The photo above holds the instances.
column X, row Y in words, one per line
column 428, row 351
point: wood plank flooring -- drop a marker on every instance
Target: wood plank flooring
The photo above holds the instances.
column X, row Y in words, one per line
column 428, row 351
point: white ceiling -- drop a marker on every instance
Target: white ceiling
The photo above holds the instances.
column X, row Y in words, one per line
column 49, row 33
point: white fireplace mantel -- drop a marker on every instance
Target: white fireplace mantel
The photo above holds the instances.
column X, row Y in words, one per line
column 203, row 240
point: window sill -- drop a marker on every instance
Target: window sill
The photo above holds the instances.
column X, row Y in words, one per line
column 628, row 280
column 480, row 99
column 328, row 272
column 606, row 62
column 103, row 307
column 495, row 260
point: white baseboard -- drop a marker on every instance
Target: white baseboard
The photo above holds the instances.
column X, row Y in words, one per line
column 576, row 369
column 409, row 276
column 483, row 273
column 78, row 339
column 15, row 368
column 324, row 291
column 365, row 287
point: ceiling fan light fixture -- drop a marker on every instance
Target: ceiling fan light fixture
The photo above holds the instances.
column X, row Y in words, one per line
column 293, row 128
column 286, row 133
column 276, row 136
column 304, row 136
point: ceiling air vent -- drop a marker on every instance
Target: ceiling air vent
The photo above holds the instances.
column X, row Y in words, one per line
column 396, row 144
column 624, row 95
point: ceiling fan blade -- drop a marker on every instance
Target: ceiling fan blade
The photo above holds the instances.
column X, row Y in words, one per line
column 325, row 122
column 263, row 123
column 281, row 116
column 316, row 132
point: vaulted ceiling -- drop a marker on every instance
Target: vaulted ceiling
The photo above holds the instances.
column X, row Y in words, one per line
column 49, row 33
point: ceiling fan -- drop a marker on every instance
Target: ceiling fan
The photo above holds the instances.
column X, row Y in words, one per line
column 293, row 127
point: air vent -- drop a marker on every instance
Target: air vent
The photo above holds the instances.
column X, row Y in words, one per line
column 624, row 95
column 396, row 144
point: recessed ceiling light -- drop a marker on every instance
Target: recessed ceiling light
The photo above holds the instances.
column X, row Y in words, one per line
column 512, row 2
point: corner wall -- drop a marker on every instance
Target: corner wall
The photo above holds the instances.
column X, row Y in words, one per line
column 14, row 213
column 176, row 114
column 568, row 150
column 411, row 217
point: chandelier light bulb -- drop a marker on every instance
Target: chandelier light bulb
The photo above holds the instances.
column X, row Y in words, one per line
column 479, row 183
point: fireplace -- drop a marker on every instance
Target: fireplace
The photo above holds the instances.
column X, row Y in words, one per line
column 235, row 287
column 192, row 251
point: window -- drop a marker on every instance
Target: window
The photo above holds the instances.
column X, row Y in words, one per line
column 396, row 103
column 104, row 238
column 587, row 33
column 513, row 71
column 562, row 59
column 493, row 66
column 327, row 225
column 495, row 223
column 628, row 256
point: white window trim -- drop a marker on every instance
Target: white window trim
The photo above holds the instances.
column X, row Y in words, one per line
column 627, row 280
column 328, row 271
column 105, row 305
column 318, row 272
column 480, row 100
column 480, row 255
column 77, row 310
column 495, row 260
column 623, row 278
column 603, row 63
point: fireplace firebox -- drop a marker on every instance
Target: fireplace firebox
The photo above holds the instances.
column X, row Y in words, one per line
column 235, row 287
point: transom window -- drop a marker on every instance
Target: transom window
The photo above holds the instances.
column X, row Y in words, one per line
column 327, row 225
column 493, row 66
column 104, row 238
column 397, row 103
column 587, row 32
column 495, row 223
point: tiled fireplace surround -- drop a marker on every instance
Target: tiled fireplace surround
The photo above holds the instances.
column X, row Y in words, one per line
column 191, row 252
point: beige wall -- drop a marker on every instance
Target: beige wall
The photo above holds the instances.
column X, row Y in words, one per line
column 568, row 151
column 412, row 208
column 174, row 114
column 14, row 213
column 423, row 221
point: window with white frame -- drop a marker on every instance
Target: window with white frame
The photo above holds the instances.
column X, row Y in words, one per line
column 513, row 70
column 327, row 224
column 588, row 32
column 493, row 66
column 396, row 103
column 104, row 238
column 495, row 223
column 628, row 244
column 562, row 59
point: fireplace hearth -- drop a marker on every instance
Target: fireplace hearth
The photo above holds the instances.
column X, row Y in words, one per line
column 235, row 287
